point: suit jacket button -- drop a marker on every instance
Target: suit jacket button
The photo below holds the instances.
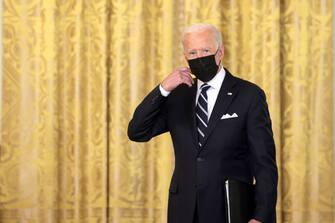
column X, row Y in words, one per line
column 200, row 159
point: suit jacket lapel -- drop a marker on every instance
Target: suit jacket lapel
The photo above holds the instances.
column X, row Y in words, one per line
column 222, row 103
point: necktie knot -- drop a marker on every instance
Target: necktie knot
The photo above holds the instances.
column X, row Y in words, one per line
column 204, row 87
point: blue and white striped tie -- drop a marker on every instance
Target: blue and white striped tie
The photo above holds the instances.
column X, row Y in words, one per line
column 202, row 113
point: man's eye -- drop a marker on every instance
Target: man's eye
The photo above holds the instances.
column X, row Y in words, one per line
column 192, row 54
column 206, row 51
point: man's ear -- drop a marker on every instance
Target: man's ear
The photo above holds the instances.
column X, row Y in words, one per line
column 220, row 54
column 222, row 51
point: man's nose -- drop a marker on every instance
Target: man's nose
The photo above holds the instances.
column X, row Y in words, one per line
column 200, row 54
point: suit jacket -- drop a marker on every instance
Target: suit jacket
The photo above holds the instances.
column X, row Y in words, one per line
column 240, row 148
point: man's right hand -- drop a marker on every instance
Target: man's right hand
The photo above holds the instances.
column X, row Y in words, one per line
column 177, row 77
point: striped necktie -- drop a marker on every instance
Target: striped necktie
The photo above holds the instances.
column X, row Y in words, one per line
column 202, row 113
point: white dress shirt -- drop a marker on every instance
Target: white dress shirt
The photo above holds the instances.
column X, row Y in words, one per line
column 212, row 92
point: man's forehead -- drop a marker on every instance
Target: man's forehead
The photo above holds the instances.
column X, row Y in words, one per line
column 200, row 33
column 200, row 40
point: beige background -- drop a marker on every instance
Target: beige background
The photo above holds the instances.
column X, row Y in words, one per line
column 74, row 71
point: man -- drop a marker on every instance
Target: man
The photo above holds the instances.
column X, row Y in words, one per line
column 220, row 128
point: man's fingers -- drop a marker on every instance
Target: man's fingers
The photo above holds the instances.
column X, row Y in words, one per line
column 176, row 78
column 187, row 82
column 188, row 76
column 185, row 70
column 186, row 79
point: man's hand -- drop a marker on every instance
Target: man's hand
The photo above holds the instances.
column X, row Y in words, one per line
column 177, row 77
column 254, row 221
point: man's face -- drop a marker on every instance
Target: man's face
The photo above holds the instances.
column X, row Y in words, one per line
column 200, row 44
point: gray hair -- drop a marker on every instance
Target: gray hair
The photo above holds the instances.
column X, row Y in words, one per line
column 202, row 26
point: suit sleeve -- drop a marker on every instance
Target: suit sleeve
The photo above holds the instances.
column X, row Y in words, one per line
column 262, row 147
column 149, row 118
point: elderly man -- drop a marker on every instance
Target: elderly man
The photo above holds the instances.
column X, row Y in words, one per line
column 220, row 128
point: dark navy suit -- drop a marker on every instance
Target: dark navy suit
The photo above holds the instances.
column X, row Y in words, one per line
column 240, row 148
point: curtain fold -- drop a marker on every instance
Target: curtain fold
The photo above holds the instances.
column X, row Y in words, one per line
column 75, row 70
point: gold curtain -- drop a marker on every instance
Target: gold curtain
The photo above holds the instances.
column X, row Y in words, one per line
column 74, row 71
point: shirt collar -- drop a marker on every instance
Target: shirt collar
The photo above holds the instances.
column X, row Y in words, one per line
column 216, row 82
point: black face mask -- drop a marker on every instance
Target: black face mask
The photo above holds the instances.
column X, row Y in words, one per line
column 204, row 68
